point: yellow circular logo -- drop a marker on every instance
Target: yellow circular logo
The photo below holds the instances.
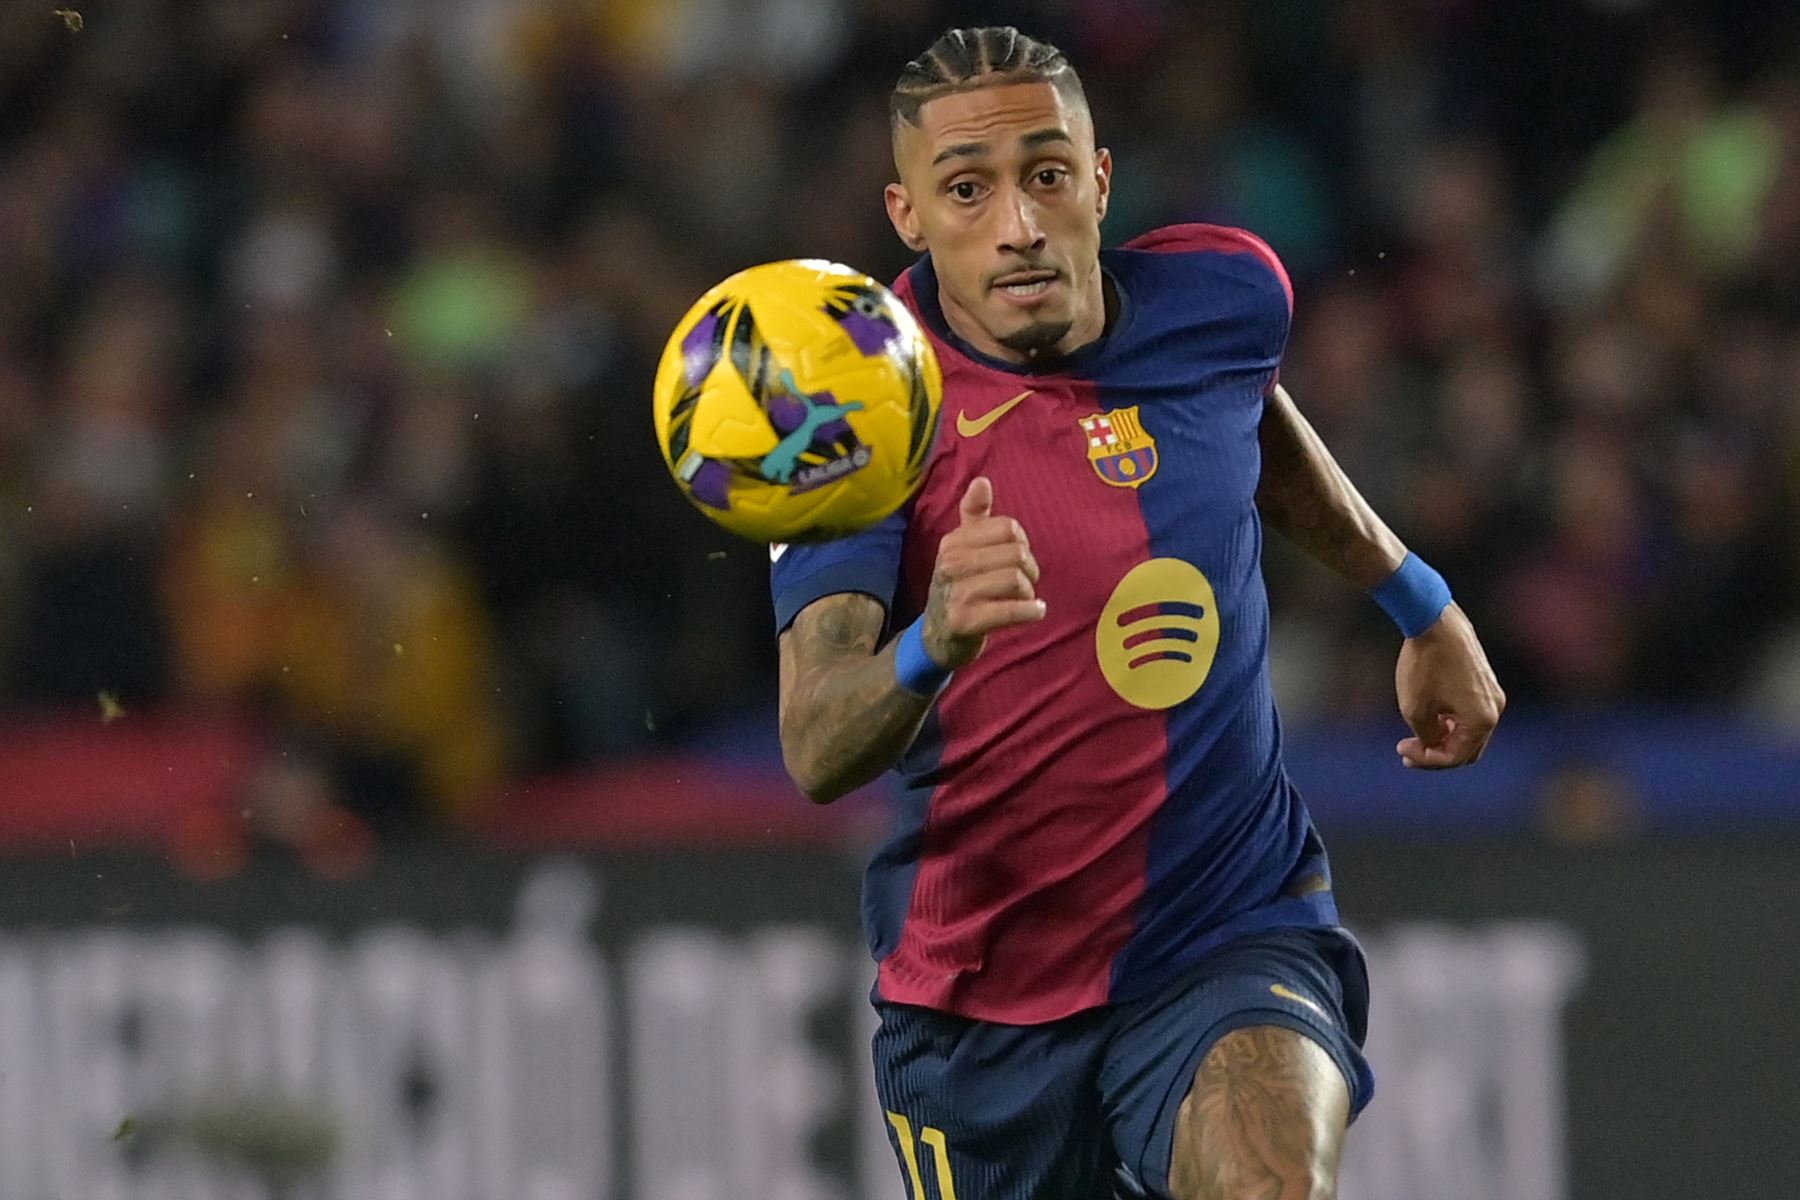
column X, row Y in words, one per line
column 1159, row 633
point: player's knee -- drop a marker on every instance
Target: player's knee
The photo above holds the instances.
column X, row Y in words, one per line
column 1294, row 1187
column 1277, row 1164
column 1318, row 1185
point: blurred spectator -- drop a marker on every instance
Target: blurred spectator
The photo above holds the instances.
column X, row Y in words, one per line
column 1571, row 603
column 388, row 658
column 1688, row 172
column 461, row 301
column 87, row 608
column 289, row 813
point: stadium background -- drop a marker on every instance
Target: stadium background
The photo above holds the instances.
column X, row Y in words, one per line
column 351, row 638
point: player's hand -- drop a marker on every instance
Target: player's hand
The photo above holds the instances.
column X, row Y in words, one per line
column 1448, row 694
column 985, row 580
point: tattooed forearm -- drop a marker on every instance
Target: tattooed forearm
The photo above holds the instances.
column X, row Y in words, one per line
column 1264, row 1121
column 1306, row 496
column 844, row 717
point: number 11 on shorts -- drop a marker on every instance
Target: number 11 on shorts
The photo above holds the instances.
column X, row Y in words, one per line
column 933, row 1138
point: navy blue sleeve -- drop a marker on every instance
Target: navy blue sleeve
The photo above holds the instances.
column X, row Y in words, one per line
column 866, row 562
column 1207, row 242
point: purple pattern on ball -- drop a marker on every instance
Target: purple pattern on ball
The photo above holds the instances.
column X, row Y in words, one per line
column 831, row 431
column 711, row 484
column 697, row 355
column 786, row 413
column 871, row 334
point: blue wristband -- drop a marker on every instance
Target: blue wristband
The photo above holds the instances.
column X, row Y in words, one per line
column 1415, row 596
column 916, row 670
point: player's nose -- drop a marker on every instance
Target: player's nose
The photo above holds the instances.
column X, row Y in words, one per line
column 1019, row 230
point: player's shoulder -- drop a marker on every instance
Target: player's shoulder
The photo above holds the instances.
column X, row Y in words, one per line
column 1198, row 238
column 1211, row 243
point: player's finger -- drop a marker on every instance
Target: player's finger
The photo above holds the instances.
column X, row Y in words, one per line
column 977, row 499
column 1001, row 583
column 1427, row 725
column 1415, row 753
column 1470, row 739
column 988, row 531
column 999, row 614
column 1007, row 554
column 1458, row 745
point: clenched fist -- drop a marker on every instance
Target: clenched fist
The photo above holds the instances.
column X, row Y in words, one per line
column 985, row 579
column 1448, row 695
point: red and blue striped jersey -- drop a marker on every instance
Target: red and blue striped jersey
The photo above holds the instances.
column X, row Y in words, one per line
column 1099, row 798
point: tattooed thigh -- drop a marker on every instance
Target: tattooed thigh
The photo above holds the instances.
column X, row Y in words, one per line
column 1264, row 1120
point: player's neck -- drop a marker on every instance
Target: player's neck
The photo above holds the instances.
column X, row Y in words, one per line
column 1096, row 315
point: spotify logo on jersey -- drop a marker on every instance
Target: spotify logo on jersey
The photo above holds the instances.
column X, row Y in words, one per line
column 1158, row 634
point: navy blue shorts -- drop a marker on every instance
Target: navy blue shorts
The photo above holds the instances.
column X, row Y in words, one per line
column 1084, row 1108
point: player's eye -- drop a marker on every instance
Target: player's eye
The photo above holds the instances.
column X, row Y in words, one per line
column 1051, row 176
column 964, row 191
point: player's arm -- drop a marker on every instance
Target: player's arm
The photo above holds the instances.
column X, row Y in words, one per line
column 844, row 716
column 848, row 709
column 1306, row 497
column 1447, row 690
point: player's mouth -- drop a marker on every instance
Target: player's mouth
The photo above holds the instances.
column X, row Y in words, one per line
column 1025, row 287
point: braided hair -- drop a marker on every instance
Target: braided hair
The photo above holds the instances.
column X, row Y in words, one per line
column 964, row 59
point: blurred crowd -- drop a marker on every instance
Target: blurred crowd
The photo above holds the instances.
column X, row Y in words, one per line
column 326, row 332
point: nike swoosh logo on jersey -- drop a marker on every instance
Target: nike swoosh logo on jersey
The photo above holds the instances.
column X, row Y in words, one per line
column 972, row 426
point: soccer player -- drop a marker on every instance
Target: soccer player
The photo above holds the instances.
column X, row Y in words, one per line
column 1109, row 953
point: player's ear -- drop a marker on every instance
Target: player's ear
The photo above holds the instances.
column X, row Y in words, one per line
column 1102, row 181
column 904, row 217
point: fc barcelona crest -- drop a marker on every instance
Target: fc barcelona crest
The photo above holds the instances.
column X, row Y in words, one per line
column 1122, row 453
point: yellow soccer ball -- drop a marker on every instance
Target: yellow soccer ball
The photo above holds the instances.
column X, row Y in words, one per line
column 797, row 402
